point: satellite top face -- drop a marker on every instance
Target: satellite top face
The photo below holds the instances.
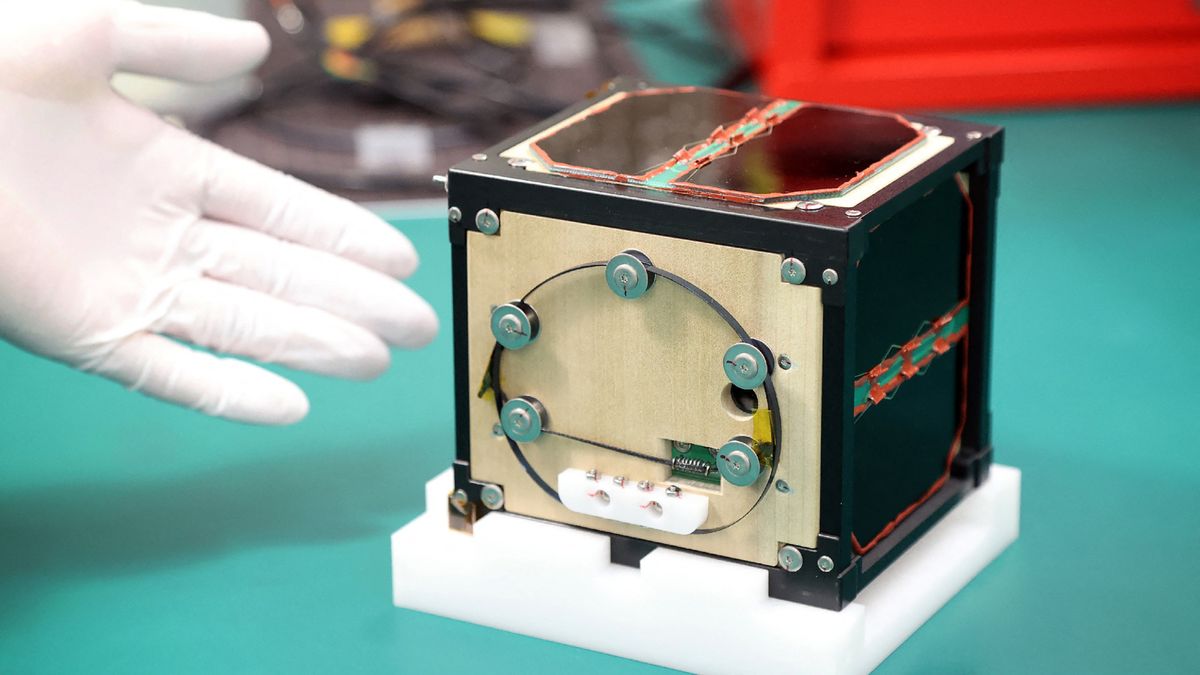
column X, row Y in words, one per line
column 722, row 145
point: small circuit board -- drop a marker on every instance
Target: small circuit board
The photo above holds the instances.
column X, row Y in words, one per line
column 694, row 462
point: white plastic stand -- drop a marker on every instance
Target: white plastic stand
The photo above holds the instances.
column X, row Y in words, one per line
column 556, row 582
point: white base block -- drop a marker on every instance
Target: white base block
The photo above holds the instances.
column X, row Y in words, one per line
column 556, row 582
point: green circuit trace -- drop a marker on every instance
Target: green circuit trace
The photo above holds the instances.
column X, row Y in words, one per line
column 694, row 462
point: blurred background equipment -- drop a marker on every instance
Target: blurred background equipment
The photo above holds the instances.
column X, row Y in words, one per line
column 373, row 97
column 948, row 54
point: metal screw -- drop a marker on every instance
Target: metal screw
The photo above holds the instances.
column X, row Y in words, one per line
column 459, row 501
column 455, row 214
column 810, row 206
column 479, row 157
column 518, row 162
column 790, row 559
column 619, row 481
column 737, row 461
column 785, row 362
column 783, row 487
column 514, row 324
column 853, row 213
column 825, row 563
column 491, row 496
column 674, row 491
column 654, row 508
column 592, row 475
column 792, row 271
column 830, row 277
column 487, row 221
column 645, row 486
column 523, row 418
column 745, row 365
column 682, row 446
column 497, row 430
column 626, row 274
column 602, row 496
column 974, row 135
column 933, row 131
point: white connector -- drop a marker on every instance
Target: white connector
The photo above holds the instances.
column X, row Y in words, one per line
column 660, row 507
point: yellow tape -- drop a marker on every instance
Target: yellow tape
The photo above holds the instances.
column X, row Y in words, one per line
column 762, row 426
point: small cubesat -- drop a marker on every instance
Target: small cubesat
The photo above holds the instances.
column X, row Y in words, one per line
column 748, row 327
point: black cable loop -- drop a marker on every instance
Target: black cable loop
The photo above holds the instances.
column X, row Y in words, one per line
column 768, row 387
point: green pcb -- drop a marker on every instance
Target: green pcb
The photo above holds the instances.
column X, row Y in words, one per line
column 694, row 462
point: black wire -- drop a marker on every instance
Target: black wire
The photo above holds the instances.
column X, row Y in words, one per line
column 768, row 388
column 606, row 446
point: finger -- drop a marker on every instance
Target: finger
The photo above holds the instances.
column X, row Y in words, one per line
column 236, row 320
column 222, row 387
column 183, row 44
column 244, row 192
column 306, row 276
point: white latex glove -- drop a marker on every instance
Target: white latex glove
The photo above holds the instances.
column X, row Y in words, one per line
column 119, row 231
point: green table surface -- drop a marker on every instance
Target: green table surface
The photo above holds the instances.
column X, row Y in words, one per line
column 136, row 537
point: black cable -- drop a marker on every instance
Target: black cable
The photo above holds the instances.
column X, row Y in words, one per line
column 768, row 387
column 606, row 446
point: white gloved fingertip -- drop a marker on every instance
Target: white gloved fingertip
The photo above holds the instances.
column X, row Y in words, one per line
column 370, row 360
column 184, row 44
column 417, row 327
column 280, row 404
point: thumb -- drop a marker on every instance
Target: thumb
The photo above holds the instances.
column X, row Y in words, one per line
column 184, row 45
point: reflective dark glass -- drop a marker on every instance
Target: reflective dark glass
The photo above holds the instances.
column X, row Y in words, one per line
column 642, row 131
column 816, row 149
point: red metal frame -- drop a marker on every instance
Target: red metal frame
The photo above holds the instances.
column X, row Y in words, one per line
column 950, row 54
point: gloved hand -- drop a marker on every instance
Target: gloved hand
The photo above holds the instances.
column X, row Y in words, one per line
column 119, row 231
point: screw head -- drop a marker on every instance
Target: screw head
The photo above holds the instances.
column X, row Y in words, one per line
column 592, row 475
column 654, row 508
column 782, row 486
column 479, row 157
column 810, row 206
column 458, row 499
column 853, row 213
column 514, row 325
column 491, row 496
column 681, row 446
column 974, row 135
column 619, row 481
column 626, row 274
column 932, row 131
column 745, row 365
column 785, row 362
column 487, row 221
column 601, row 496
column 825, row 563
column 830, row 277
column 497, row 430
column 645, row 485
column 790, row 558
column 674, row 491
column 455, row 214
column 737, row 461
column 523, row 418
column 792, row 271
